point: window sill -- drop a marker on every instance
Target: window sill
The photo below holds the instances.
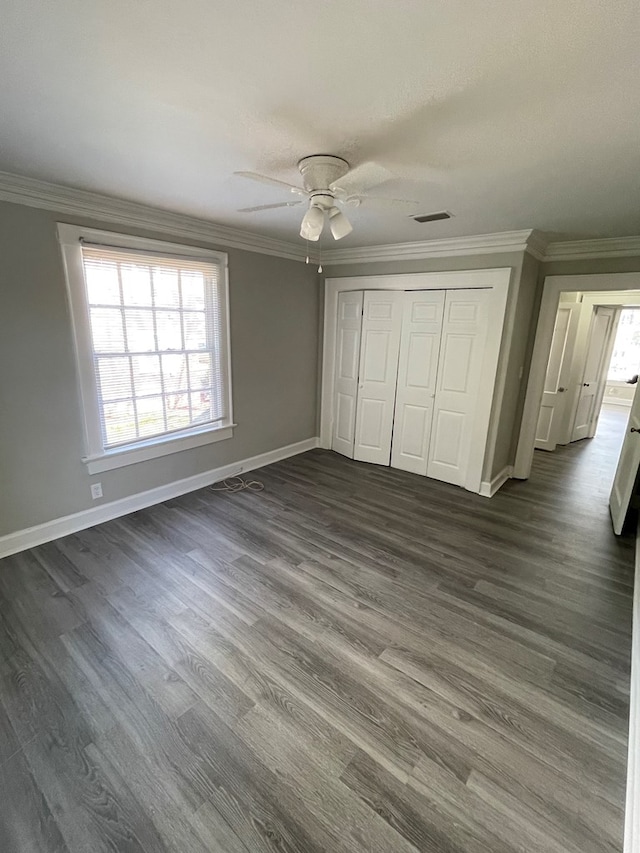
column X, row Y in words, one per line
column 155, row 448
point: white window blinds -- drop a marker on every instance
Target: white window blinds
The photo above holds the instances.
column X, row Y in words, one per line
column 157, row 331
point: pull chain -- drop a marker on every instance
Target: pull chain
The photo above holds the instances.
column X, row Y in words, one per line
column 307, row 259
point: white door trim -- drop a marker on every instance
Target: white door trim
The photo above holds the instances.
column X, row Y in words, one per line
column 553, row 286
column 495, row 280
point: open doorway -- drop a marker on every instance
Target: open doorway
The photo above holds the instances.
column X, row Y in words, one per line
column 617, row 469
column 624, row 366
column 593, row 361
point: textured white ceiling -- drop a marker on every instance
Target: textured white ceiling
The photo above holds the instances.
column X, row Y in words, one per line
column 510, row 114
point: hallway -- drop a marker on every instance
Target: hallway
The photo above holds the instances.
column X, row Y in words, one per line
column 583, row 471
column 354, row 659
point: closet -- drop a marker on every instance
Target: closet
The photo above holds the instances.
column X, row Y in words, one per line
column 408, row 374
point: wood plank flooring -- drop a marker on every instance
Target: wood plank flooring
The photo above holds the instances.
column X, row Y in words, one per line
column 355, row 659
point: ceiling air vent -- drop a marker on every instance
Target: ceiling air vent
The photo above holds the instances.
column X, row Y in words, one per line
column 432, row 217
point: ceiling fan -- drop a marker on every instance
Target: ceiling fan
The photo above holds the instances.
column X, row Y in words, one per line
column 329, row 181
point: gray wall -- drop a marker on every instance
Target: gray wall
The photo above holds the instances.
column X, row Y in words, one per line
column 274, row 343
column 518, row 361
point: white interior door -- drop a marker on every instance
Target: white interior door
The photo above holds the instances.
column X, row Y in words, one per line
column 346, row 377
column 627, row 470
column 602, row 331
column 462, row 350
column 558, row 375
column 417, row 374
column 380, row 342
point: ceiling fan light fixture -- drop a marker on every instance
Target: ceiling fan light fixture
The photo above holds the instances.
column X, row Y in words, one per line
column 339, row 224
column 312, row 223
column 330, row 181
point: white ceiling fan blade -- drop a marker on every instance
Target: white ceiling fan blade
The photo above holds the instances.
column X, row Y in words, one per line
column 360, row 178
column 339, row 224
column 268, row 206
column 265, row 179
column 385, row 203
column 312, row 223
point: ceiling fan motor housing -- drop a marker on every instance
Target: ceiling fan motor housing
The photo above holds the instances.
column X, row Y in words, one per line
column 323, row 200
column 320, row 170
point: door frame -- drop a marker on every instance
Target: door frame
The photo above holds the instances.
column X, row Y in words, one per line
column 553, row 286
column 496, row 281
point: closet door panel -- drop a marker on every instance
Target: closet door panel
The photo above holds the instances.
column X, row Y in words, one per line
column 346, row 377
column 409, row 437
column 464, row 333
column 372, row 425
column 448, row 429
column 457, row 363
column 377, row 353
column 381, row 325
column 345, row 418
column 417, row 373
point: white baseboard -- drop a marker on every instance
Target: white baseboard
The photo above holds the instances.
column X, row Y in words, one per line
column 488, row 488
column 57, row 527
column 617, row 401
column 632, row 810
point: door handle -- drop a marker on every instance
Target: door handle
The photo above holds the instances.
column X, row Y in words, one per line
column 562, row 389
column 633, row 429
column 586, row 384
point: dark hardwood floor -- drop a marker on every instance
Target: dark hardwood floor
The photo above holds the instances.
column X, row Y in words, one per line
column 355, row 659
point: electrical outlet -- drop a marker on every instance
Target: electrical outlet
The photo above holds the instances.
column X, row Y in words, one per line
column 96, row 491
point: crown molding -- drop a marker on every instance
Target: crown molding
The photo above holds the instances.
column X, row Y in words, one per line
column 62, row 199
column 484, row 244
column 608, row 247
column 537, row 244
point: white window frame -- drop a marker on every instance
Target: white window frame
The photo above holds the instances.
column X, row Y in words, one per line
column 95, row 456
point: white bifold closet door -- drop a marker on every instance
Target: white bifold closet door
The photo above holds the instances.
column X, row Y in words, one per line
column 409, row 368
column 462, row 350
column 417, row 375
column 346, row 375
column 380, row 342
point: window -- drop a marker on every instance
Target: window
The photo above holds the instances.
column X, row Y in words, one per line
column 625, row 359
column 151, row 330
